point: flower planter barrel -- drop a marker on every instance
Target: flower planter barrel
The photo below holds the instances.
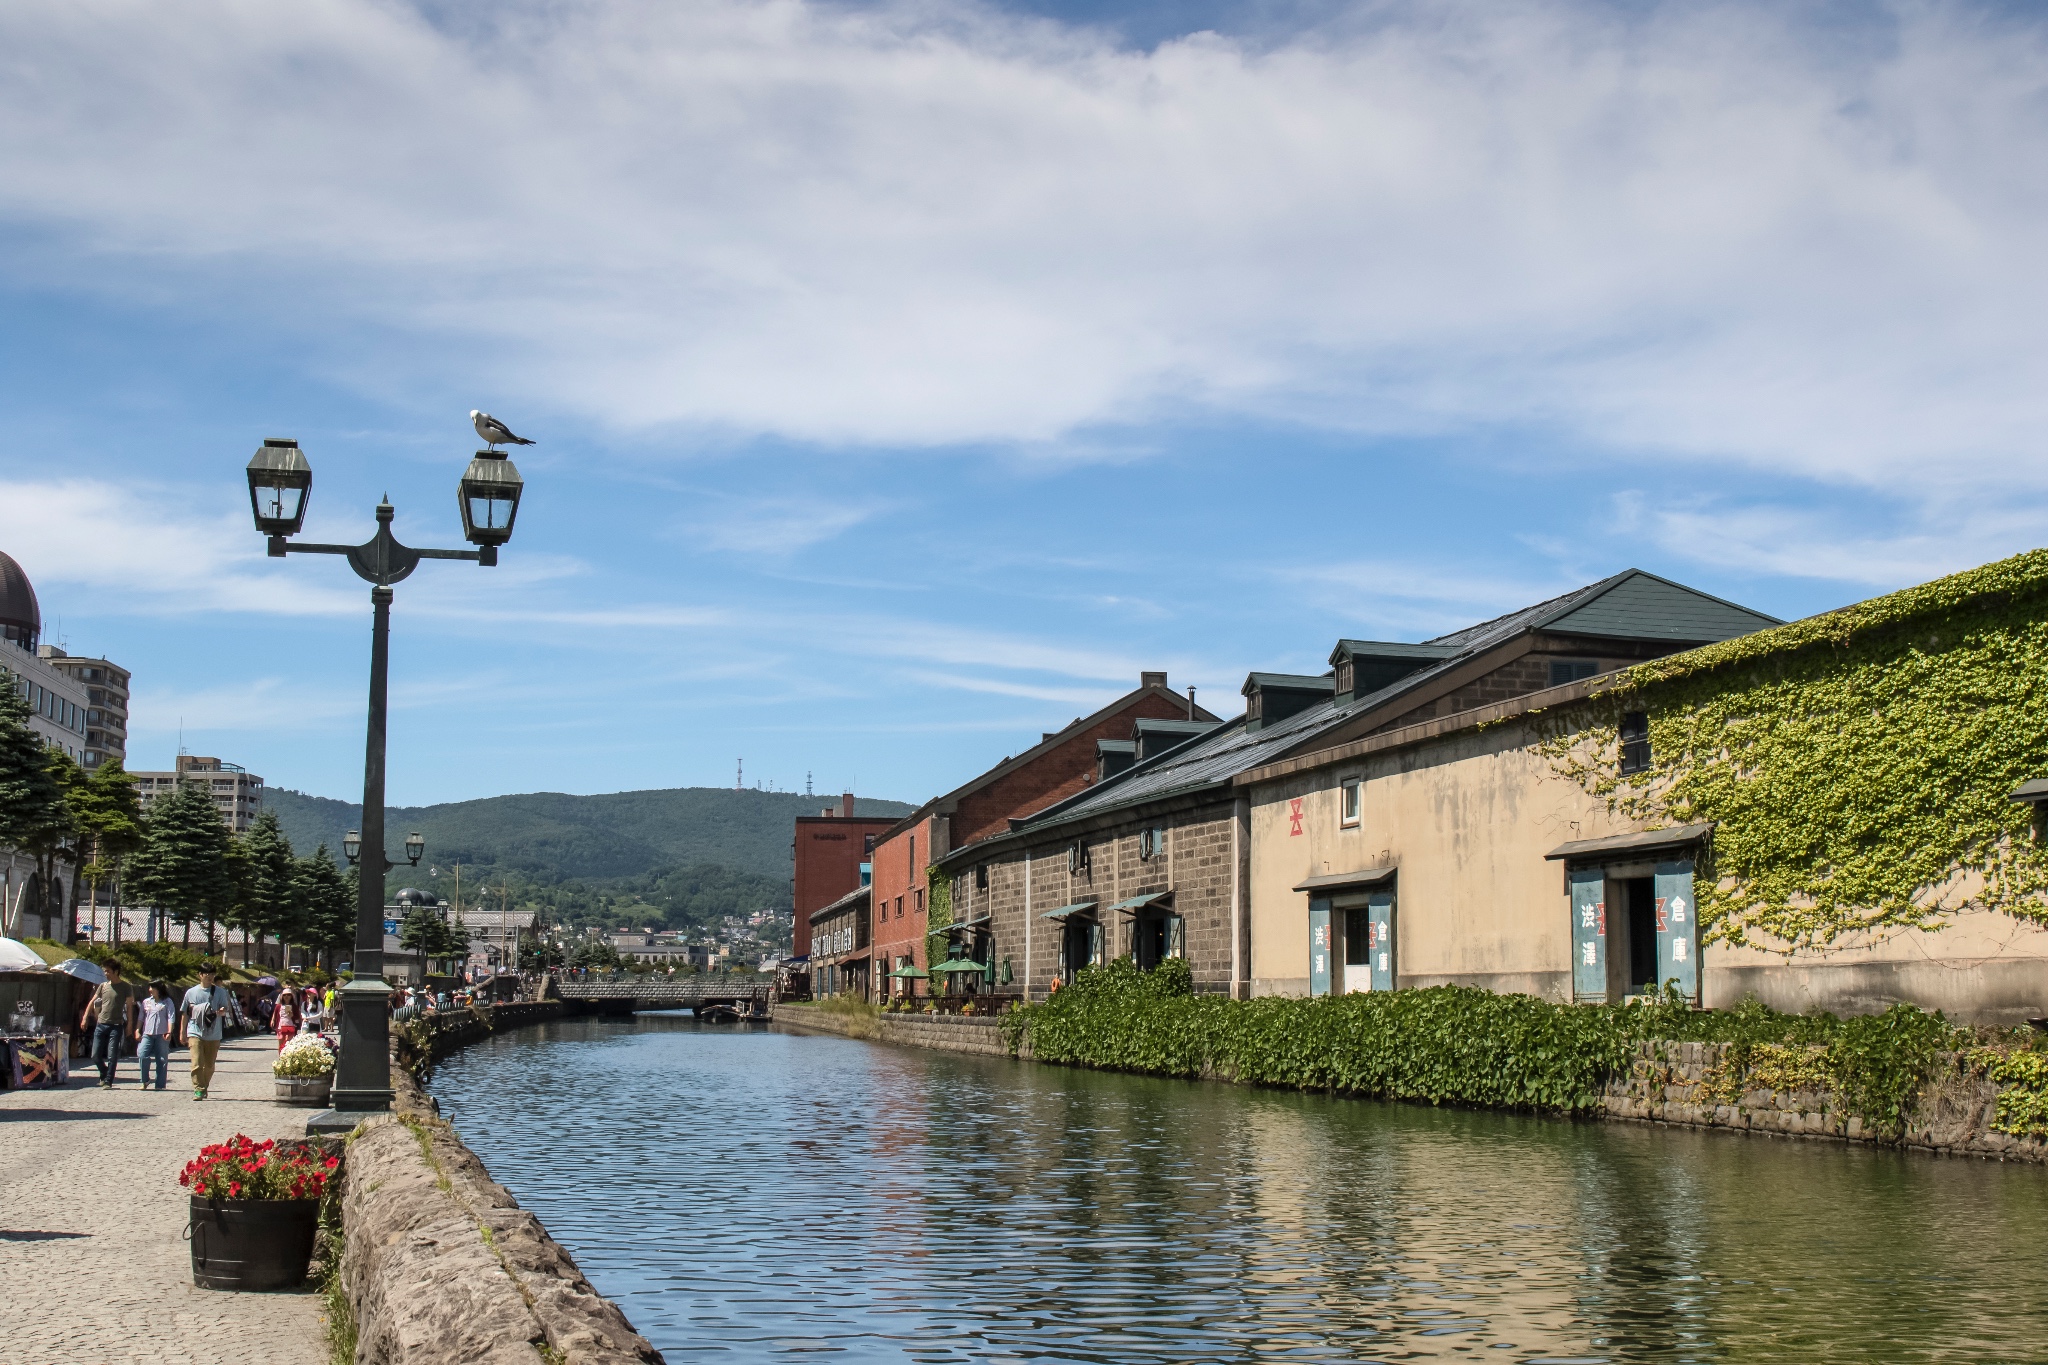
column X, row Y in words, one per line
column 311, row 1091
column 252, row 1243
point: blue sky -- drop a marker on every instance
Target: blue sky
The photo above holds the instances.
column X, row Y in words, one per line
column 908, row 377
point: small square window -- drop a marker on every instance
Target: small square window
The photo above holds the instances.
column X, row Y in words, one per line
column 1351, row 801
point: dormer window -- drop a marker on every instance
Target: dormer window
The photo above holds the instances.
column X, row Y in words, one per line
column 1345, row 673
column 1564, row 671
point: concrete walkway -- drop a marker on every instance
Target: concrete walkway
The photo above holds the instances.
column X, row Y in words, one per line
column 94, row 1268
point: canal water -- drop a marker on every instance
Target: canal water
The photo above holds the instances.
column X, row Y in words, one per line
column 747, row 1195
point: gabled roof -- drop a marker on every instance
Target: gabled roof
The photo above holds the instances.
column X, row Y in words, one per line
column 1606, row 608
column 1046, row 745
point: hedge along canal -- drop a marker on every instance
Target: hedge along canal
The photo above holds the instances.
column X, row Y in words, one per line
column 747, row 1195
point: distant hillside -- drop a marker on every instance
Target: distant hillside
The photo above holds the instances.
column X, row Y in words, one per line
column 550, row 835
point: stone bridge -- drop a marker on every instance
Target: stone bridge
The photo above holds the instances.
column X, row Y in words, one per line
column 696, row 993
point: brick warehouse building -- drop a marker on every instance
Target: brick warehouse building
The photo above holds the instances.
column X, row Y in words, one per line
column 1155, row 861
column 829, row 850
column 1060, row 765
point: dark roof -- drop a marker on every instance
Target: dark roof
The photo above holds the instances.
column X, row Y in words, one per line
column 1291, row 682
column 845, row 902
column 2032, row 792
column 1046, row 745
column 18, row 605
column 1648, row 841
column 1603, row 608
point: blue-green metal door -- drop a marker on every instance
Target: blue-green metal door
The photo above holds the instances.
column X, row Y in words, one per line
column 1379, row 913
column 1318, row 946
column 1589, row 933
column 1678, row 940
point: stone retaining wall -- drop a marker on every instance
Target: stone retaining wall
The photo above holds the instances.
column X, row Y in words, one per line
column 442, row 1266
column 1667, row 1083
column 982, row 1036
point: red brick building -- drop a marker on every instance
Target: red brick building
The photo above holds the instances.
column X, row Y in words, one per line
column 829, row 851
column 1060, row 765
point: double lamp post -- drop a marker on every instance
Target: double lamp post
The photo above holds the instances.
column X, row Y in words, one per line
column 280, row 483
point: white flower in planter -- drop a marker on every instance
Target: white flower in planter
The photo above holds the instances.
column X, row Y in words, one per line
column 305, row 1055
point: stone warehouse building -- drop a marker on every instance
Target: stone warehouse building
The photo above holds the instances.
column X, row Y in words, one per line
column 1156, row 860
column 1564, row 843
column 1060, row 765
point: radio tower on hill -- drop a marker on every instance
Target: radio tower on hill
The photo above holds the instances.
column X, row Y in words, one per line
column 739, row 781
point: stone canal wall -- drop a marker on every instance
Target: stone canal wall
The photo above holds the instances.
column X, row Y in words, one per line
column 939, row 1032
column 440, row 1264
column 1681, row 1084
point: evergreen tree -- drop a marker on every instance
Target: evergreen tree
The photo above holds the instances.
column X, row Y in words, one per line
column 182, row 866
column 326, row 903
column 27, row 788
column 110, row 815
column 270, row 903
column 53, row 838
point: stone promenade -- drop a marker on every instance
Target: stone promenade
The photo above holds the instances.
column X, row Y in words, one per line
column 93, row 1259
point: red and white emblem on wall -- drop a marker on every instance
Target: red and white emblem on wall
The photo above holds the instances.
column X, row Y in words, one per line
column 1294, row 817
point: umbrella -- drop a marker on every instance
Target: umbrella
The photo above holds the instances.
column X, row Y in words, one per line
column 80, row 968
column 962, row 964
column 266, row 981
column 910, row 974
column 16, row 956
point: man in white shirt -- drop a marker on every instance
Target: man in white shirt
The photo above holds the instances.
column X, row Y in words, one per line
column 204, row 1011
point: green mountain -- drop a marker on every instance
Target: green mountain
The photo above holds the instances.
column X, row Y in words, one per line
column 551, row 836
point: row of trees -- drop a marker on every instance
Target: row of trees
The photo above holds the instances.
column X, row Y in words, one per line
column 178, row 857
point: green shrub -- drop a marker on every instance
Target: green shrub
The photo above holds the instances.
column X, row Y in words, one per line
column 1463, row 1045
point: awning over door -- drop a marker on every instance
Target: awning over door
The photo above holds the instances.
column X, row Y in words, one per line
column 2032, row 793
column 1137, row 903
column 1334, row 881
column 1077, row 908
column 1648, row 841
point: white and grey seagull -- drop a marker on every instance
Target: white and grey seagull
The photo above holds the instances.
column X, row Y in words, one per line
column 494, row 432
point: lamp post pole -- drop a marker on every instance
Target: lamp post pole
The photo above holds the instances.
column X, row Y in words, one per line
column 280, row 481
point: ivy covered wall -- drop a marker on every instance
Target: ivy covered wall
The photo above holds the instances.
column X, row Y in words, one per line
column 1857, row 765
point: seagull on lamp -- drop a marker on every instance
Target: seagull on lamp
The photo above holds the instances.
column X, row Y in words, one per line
column 494, row 432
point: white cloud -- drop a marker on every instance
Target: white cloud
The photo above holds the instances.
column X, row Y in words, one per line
column 775, row 527
column 155, row 549
column 1702, row 230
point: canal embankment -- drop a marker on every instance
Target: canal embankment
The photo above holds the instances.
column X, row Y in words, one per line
column 1903, row 1079
column 439, row 1263
column 940, row 1032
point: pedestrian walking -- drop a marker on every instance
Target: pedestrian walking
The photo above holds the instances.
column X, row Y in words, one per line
column 153, row 1040
column 311, row 1016
column 109, row 1018
column 287, row 1018
column 204, row 1012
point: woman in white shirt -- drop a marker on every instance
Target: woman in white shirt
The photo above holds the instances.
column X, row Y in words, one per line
column 153, row 1033
column 312, row 1016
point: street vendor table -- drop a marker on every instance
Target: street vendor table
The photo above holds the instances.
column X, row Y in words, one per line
column 34, row 1060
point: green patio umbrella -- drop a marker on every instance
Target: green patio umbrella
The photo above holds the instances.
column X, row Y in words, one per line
column 962, row 964
column 910, row 974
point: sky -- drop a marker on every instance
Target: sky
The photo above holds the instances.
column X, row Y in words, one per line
column 907, row 377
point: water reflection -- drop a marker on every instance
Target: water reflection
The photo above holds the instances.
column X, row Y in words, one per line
column 757, row 1195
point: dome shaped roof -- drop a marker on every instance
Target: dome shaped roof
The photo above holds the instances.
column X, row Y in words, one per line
column 412, row 895
column 18, row 606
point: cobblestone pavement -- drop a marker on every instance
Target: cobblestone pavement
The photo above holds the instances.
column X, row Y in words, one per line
column 94, row 1267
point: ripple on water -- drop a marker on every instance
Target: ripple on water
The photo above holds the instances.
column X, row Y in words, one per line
column 748, row 1195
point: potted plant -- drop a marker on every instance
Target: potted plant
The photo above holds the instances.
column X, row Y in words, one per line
column 304, row 1071
column 255, row 1208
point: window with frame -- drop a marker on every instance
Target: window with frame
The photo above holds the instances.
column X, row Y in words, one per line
column 1351, row 801
column 981, row 877
column 1635, row 741
column 1564, row 671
